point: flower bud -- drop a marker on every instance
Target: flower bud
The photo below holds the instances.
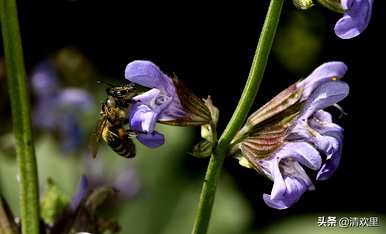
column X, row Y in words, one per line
column 334, row 5
column 203, row 149
column 208, row 132
column 53, row 202
column 303, row 4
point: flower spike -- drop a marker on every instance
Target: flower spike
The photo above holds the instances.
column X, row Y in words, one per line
column 293, row 130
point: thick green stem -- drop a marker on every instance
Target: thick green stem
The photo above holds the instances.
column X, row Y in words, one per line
column 239, row 116
column 16, row 78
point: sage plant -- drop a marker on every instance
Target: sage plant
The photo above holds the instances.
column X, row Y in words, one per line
column 288, row 133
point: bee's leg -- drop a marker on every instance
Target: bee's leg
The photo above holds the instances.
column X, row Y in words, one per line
column 134, row 133
column 131, row 133
column 113, row 134
column 128, row 102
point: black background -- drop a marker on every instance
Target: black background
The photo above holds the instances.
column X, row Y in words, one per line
column 210, row 47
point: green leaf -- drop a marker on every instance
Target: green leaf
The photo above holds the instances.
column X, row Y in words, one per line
column 53, row 202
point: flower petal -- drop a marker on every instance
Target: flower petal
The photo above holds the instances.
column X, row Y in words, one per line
column 322, row 123
column 80, row 194
column 330, row 166
column 147, row 74
column 328, row 145
column 147, row 97
column 44, row 79
column 324, row 96
column 169, row 106
column 326, row 137
column 333, row 135
column 288, row 185
column 127, row 182
column 75, row 98
column 173, row 111
column 279, row 186
column 320, row 75
column 294, row 190
column 71, row 135
column 45, row 113
column 301, row 152
column 347, row 4
column 142, row 118
column 290, row 179
column 355, row 20
column 151, row 140
column 322, row 116
column 145, row 113
column 156, row 100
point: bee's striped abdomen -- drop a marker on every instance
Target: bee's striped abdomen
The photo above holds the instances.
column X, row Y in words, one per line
column 120, row 142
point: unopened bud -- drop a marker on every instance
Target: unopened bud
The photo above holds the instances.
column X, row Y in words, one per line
column 303, row 4
column 334, row 5
column 203, row 149
column 208, row 132
column 53, row 202
column 244, row 162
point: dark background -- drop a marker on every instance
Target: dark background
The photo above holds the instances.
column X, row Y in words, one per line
column 210, row 47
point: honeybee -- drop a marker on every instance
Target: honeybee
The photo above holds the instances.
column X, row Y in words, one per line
column 113, row 118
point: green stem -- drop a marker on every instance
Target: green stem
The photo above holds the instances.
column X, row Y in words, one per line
column 247, row 98
column 16, row 78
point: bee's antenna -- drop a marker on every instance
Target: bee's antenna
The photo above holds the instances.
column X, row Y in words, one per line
column 104, row 82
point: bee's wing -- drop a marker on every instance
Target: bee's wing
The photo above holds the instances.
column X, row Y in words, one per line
column 97, row 135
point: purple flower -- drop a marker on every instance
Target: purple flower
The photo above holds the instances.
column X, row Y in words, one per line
column 123, row 178
column 290, row 179
column 357, row 14
column 81, row 215
column 128, row 183
column 293, row 130
column 57, row 109
column 80, row 194
column 168, row 101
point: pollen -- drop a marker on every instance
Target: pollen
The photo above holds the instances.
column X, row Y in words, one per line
column 333, row 78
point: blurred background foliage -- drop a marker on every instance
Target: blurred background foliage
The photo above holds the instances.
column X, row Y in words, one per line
column 159, row 188
column 302, row 33
column 161, row 193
